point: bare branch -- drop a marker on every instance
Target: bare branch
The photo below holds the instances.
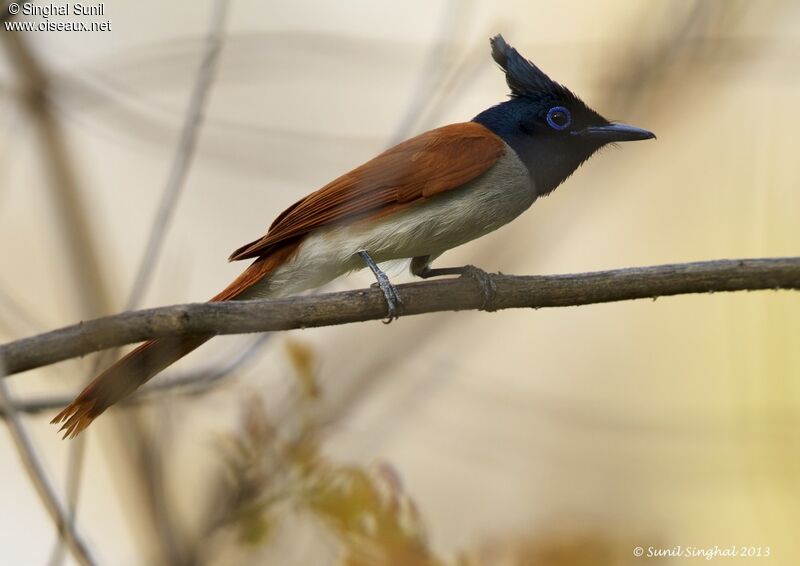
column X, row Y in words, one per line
column 329, row 309
column 35, row 469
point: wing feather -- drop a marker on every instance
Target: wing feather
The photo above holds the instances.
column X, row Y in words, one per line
column 421, row 167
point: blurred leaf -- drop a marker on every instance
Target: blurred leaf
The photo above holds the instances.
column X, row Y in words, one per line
column 366, row 510
column 254, row 525
column 374, row 520
column 567, row 548
column 302, row 358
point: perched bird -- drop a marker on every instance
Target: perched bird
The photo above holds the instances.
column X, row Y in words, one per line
column 416, row 200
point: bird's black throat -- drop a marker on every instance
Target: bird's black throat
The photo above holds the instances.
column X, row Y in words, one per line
column 550, row 158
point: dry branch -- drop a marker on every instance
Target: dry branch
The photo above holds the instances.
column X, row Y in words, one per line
column 430, row 296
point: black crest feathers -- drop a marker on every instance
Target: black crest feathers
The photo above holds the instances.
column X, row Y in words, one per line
column 523, row 77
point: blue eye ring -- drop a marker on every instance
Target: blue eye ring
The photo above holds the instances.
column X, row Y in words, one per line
column 557, row 122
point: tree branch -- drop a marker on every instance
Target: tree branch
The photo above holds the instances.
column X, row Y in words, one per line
column 368, row 304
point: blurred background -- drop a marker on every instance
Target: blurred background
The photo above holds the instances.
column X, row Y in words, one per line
column 557, row 436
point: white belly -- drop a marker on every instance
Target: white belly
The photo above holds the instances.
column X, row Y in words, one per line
column 427, row 228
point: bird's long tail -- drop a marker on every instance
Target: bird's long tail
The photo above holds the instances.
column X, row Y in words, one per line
column 122, row 378
column 140, row 365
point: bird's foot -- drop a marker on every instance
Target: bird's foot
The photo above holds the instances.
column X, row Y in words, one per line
column 394, row 304
column 486, row 286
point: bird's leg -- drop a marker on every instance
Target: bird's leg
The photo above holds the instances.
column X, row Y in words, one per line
column 420, row 266
column 394, row 303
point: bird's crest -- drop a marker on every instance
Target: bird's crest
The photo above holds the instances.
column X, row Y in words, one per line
column 523, row 77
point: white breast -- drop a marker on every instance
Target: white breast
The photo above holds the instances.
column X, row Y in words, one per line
column 428, row 228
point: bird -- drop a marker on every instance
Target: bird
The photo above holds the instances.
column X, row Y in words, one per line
column 416, row 200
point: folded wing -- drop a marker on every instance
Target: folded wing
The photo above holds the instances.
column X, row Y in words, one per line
column 439, row 160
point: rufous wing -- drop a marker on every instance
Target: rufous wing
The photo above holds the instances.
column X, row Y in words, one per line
column 438, row 160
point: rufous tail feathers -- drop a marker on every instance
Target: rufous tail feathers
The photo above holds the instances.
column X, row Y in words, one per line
column 139, row 366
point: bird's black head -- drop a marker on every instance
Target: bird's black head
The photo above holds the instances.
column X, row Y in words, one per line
column 550, row 128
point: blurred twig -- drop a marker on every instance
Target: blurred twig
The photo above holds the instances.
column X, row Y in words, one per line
column 693, row 35
column 430, row 296
column 5, row 13
column 92, row 292
column 433, row 71
column 35, row 469
column 19, row 315
column 194, row 382
column 184, row 152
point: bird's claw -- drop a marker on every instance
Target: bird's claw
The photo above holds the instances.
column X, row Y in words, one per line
column 486, row 286
column 394, row 304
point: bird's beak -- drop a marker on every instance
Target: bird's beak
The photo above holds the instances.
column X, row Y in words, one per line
column 615, row 133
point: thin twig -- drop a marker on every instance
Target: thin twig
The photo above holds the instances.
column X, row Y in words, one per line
column 75, row 460
column 35, row 470
column 329, row 309
column 184, row 153
column 18, row 314
column 91, row 290
column 433, row 71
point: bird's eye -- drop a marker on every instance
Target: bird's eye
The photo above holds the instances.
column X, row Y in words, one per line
column 559, row 118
